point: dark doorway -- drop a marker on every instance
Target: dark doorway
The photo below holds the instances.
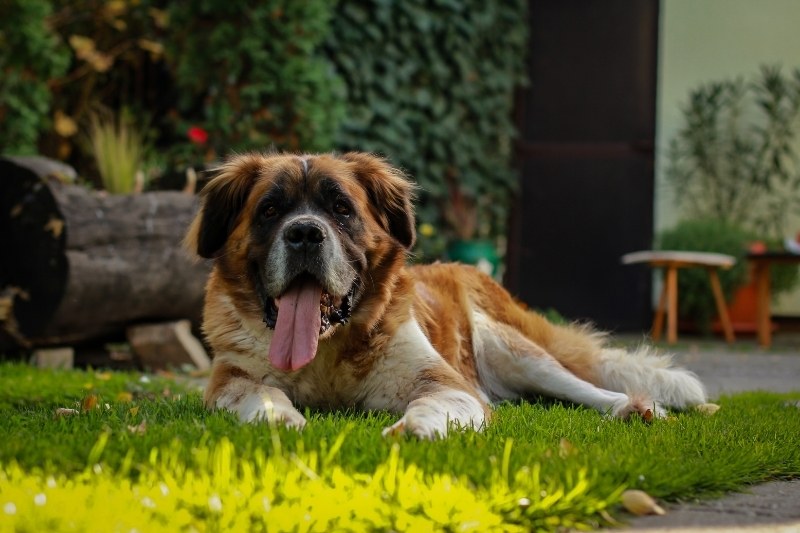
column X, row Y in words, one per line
column 587, row 128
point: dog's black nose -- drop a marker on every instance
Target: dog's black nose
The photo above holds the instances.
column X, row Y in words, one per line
column 304, row 235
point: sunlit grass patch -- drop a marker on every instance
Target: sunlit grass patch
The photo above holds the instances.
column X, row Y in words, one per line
column 148, row 456
column 286, row 491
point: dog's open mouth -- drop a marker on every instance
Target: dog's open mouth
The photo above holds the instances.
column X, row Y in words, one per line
column 303, row 313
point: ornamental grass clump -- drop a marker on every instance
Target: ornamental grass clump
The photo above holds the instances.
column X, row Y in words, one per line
column 118, row 149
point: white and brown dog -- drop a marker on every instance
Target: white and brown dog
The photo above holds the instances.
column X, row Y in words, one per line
column 310, row 303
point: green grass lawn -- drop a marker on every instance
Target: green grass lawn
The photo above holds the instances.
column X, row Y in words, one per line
column 149, row 457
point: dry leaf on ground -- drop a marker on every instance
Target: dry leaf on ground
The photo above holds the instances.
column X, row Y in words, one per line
column 707, row 408
column 89, row 403
column 640, row 503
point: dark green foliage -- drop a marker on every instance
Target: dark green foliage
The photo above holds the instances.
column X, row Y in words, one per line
column 706, row 235
column 427, row 83
column 430, row 84
column 249, row 74
column 30, row 56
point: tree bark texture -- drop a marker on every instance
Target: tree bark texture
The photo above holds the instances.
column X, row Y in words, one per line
column 77, row 264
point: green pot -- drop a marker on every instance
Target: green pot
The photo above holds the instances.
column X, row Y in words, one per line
column 480, row 253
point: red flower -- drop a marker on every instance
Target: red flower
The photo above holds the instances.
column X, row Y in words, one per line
column 197, row 135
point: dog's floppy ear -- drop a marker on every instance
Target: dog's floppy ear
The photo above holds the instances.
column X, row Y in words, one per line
column 221, row 202
column 389, row 192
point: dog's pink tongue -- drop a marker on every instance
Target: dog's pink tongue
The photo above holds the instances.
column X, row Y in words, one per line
column 296, row 335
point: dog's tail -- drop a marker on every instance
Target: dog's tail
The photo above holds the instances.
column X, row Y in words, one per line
column 646, row 373
column 640, row 373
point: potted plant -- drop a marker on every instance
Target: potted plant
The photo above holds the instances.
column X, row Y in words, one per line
column 470, row 243
column 733, row 169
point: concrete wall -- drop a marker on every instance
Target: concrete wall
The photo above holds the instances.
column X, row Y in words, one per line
column 707, row 40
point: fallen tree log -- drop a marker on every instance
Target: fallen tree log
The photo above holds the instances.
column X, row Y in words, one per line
column 79, row 264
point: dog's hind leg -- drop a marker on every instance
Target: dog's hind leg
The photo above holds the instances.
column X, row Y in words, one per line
column 644, row 371
column 511, row 366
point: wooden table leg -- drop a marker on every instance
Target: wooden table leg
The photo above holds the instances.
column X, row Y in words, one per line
column 763, row 312
column 722, row 308
column 672, row 304
column 658, row 320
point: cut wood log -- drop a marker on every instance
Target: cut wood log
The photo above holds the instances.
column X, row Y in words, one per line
column 168, row 344
column 77, row 264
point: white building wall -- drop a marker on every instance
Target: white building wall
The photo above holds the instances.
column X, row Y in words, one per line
column 708, row 40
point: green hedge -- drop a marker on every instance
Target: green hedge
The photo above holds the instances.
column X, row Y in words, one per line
column 430, row 84
column 251, row 75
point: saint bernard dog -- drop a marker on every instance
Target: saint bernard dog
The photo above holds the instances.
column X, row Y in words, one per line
column 310, row 303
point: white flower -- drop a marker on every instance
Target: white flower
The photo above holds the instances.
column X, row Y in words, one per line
column 215, row 504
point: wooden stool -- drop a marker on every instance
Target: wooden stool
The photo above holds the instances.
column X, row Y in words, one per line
column 671, row 261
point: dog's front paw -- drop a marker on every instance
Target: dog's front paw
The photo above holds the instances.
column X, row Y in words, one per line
column 261, row 407
column 432, row 416
column 423, row 427
column 647, row 410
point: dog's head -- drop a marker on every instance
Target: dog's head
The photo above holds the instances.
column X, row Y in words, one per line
column 303, row 237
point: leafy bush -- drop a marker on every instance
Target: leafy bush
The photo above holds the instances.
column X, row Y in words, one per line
column 431, row 85
column 30, row 56
column 696, row 301
column 247, row 74
column 250, row 74
column 706, row 235
column 735, row 157
column 112, row 60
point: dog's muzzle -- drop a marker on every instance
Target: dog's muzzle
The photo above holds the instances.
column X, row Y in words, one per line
column 309, row 289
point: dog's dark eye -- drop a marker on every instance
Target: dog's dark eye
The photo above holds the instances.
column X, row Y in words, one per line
column 270, row 211
column 341, row 208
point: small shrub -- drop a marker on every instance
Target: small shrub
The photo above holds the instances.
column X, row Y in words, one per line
column 696, row 300
column 706, row 235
